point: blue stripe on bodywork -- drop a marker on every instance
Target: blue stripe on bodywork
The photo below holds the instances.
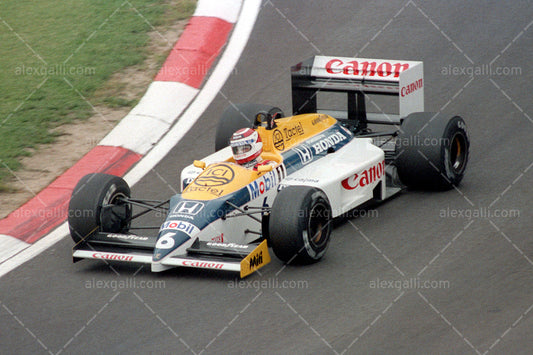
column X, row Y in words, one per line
column 316, row 147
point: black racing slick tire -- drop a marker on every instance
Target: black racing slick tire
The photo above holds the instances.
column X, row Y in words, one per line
column 97, row 205
column 239, row 116
column 432, row 151
column 300, row 224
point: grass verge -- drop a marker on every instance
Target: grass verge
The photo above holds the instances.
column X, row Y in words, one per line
column 56, row 56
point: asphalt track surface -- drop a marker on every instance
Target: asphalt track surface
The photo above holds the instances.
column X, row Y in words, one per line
column 483, row 302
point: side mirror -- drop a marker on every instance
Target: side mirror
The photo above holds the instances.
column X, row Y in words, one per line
column 265, row 119
column 264, row 168
column 199, row 164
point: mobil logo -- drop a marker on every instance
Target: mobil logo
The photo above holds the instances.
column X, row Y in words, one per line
column 262, row 185
column 256, row 260
column 181, row 226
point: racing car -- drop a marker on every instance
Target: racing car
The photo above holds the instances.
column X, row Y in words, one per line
column 325, row 162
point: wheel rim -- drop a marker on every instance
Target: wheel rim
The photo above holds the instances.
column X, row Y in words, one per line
column 117, row 199
column 458, row 152
column 318, row 226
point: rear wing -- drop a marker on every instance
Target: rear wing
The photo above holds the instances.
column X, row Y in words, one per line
column 358, row 77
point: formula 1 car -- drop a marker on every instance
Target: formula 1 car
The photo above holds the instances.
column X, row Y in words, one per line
column 326, row 163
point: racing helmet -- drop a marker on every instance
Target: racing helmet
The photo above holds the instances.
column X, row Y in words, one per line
column 246, row 146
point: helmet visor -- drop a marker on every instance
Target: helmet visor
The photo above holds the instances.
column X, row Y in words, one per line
column 241, row 149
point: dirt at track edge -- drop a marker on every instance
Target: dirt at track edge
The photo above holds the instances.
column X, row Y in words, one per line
column 76, row 139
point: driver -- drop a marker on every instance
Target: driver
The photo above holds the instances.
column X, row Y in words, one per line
column 247, row 147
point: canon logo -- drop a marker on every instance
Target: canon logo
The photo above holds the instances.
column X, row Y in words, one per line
column 109, row 256
column 365, row 68
column 202, row 264
column 406, row 90
column 368, row 176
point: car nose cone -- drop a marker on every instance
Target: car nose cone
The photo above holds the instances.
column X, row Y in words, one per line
column 167, row 242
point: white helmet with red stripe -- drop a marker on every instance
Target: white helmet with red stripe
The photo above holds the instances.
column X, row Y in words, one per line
column 246, row 146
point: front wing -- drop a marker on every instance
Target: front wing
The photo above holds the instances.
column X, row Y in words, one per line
column 242, row 258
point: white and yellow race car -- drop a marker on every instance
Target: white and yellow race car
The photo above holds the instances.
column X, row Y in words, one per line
column 325, row 162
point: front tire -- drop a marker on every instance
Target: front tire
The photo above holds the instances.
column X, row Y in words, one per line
column 97, row 205
column 300, row 224
column 432, row 151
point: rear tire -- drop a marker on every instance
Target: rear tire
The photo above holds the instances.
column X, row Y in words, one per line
column 96, row 206
column 432, row 151
column 300, row 224
column 237, row 117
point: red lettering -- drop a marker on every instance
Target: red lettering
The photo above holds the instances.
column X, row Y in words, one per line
column 384, row 69
column 387, row 71
column 353, row 66
column 365, row 71
column 399, row 67
column 350, row 183
column 368, row 176
column 118, row 257
column 412, row 87
column 364, row 178
column 329, row 65
column 202, row 264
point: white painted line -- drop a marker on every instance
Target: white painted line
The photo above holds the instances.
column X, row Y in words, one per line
column 165, row 100
column 144, row 126
column 227, row 10
column 136, row 133
column 10, row 246
column 229, row 59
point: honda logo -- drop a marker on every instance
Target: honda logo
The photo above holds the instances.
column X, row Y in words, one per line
column 188, row 207
column 306, row 156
